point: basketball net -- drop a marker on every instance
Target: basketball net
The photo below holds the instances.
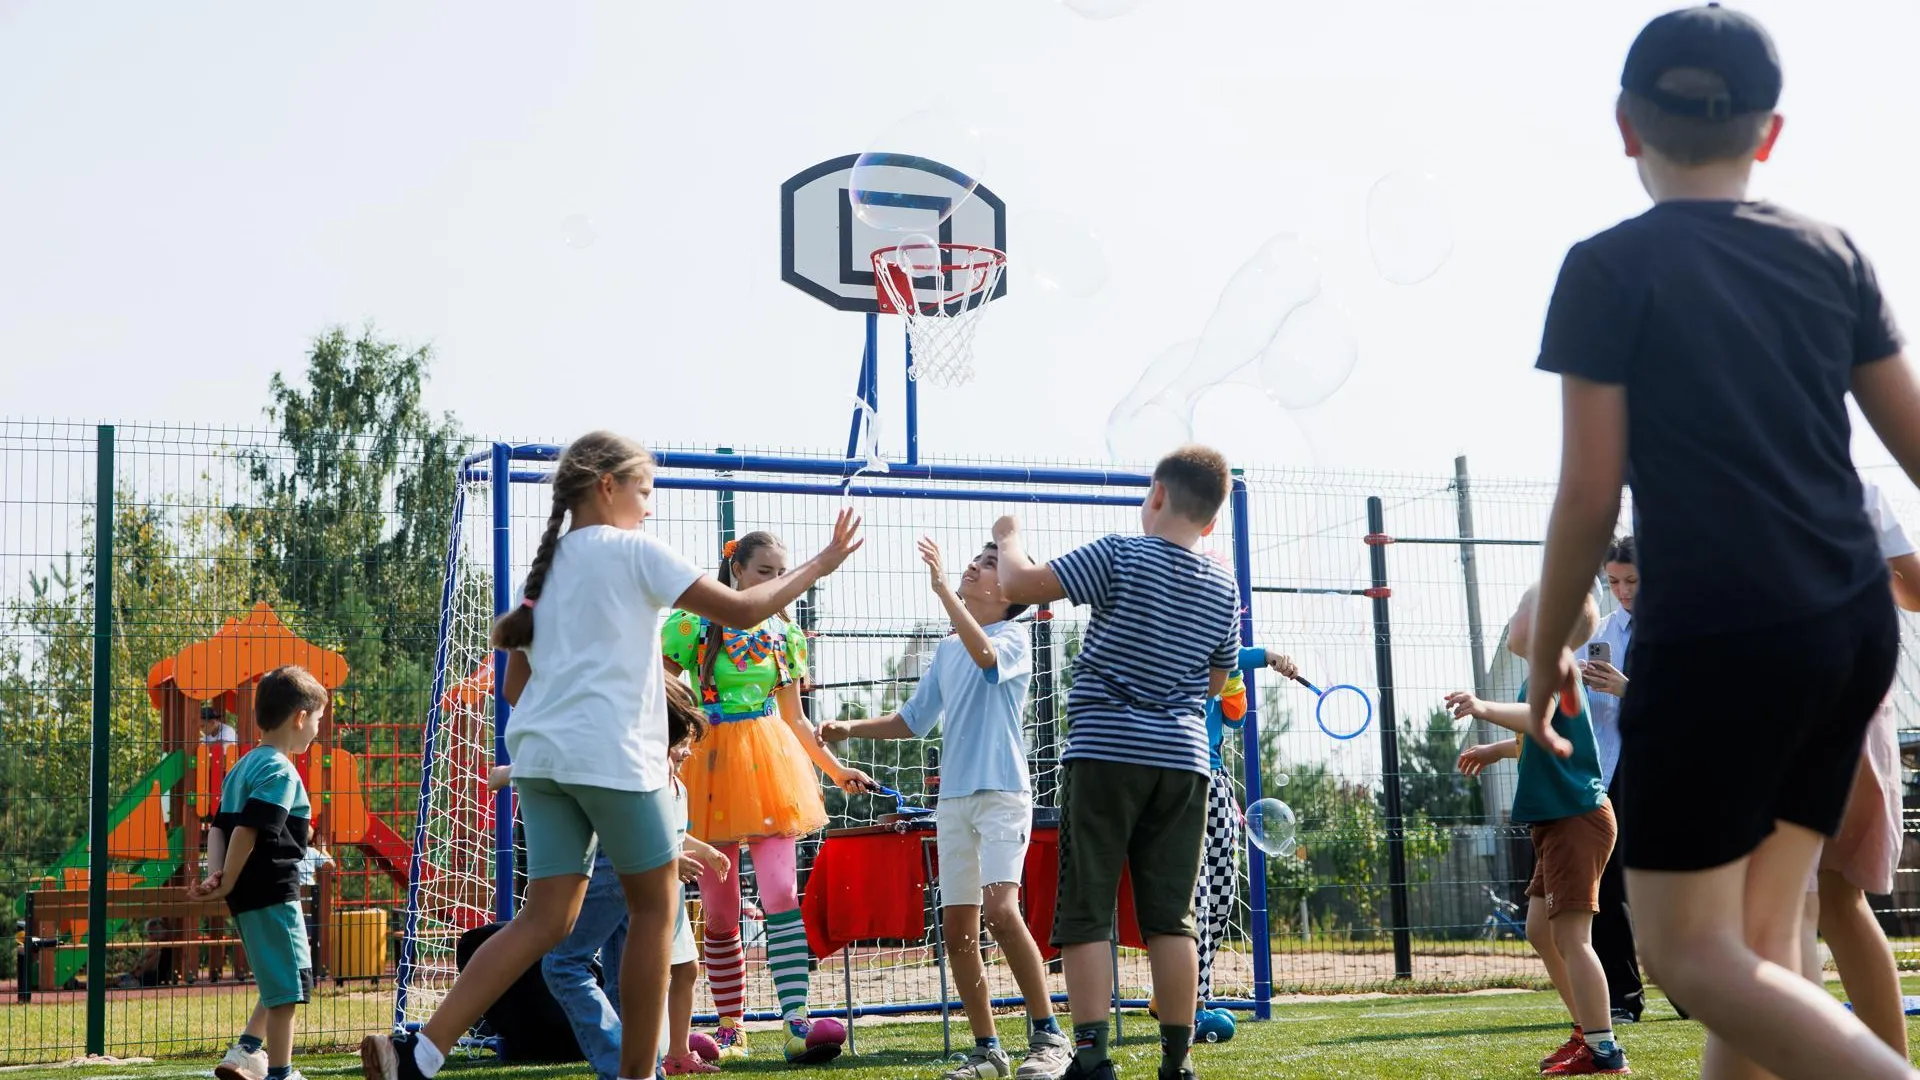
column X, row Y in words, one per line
column 941, row 290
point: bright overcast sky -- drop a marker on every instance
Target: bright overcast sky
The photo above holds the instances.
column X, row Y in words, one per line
column 190, row 191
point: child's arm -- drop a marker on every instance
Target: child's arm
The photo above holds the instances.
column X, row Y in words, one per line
column 1906, row 581
column 845, row 777
column 1021, row 580
column 1512, row 715
column 216, row 857
column 1474, row 759
column 890, row 726
column 713, row 857
column 971, row 633
column 499, row 777
column 751, row 607
column 1585, row 510
column 237, row 851
column 519, row 670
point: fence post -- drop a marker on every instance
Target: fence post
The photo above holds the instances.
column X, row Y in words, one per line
column 99, row 858
column 502, row 491
column 1046, row 712
column 1259, row 927
column 1477, row 643
column 1380, row 593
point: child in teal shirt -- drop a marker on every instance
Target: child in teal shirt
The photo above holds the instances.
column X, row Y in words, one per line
column 254, row 853
column 1565, row 802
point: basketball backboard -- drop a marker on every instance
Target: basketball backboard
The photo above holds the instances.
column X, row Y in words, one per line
column 826, row 249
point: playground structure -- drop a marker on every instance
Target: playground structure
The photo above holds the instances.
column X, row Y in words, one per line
column 157, row 827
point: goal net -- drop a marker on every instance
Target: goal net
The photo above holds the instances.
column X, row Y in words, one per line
column 872, row 628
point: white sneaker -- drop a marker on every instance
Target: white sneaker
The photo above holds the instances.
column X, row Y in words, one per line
column 1048, row 1056
column 982, row 1065
column 242, row 1065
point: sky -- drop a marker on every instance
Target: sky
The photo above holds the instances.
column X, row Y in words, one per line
column 190, row 192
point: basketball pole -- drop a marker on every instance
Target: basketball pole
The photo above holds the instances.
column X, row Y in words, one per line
column 913, row 403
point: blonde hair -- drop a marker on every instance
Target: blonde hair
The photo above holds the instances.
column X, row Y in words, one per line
column 585, row 461
column 1584, row 624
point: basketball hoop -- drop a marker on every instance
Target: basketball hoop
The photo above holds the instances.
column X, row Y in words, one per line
column 940, row 289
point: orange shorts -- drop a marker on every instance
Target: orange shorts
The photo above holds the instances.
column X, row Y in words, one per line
column 1569, row 856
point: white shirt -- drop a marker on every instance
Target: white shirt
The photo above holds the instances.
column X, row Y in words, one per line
column 1893, row 539
column 1617, row 631
column 226, row 734
column 311, row 864
column 983, row 742
column 594, row 711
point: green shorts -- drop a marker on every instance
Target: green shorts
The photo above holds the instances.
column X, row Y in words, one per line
column 1151, row 821
column 275, row 938
column 562, row 821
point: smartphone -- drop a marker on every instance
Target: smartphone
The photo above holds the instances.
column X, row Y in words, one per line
column 1601, row 651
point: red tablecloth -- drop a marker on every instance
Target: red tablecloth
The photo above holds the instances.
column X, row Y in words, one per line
column 867, row 885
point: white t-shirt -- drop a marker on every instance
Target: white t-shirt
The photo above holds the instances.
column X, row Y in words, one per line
column 1893, row 539
column 594, row 711
column 226, row 734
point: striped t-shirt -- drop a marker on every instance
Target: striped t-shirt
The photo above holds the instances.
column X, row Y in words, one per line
column 1163, row 618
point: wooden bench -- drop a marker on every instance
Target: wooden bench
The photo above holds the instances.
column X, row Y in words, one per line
column 50, row 910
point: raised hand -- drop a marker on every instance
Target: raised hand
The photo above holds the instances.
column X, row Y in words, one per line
column 846, row 540
column 1475, row 759
column 1462, row 705
column 930, row 554
column 1283, row 665
column 1007, row 527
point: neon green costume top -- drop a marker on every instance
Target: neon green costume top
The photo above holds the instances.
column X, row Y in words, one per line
column 756, row 662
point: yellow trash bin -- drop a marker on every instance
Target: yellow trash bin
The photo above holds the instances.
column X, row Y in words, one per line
column 357, row 948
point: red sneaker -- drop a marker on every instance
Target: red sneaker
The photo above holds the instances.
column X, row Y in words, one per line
column 1585, row 1062
column 1566, row 1050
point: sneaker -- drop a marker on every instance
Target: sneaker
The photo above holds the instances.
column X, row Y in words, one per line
column 1048, row 1055
column 1076, row 1071
column 802, row 1052
column 1586, row 1062
column 1567, row 1050
column 683, row 1066
column 982, row 1064
column 1625, row 1016
column 389, row 1057
column 242, row 1065
column 732, row 1041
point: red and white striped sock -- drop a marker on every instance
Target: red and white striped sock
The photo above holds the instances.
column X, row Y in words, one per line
column 727, row 974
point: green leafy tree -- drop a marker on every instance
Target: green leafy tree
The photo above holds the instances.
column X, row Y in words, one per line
column 1430, row 782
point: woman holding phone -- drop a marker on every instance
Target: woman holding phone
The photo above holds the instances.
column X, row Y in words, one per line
column 1604, row 670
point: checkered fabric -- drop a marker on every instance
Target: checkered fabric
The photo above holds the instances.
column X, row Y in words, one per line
column 1213, row 892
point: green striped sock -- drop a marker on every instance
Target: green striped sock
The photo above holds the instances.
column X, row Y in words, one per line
column 787, row 957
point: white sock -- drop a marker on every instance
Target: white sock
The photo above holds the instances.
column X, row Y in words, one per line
column 427, row 1056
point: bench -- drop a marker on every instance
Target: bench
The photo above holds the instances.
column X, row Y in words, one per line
column 50, row 910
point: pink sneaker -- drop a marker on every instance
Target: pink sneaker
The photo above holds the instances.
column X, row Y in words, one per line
column 682, row 1066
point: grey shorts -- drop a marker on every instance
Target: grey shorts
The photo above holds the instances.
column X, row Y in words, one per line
column 563, row 820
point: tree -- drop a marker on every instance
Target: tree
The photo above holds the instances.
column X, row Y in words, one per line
column 1429, row 779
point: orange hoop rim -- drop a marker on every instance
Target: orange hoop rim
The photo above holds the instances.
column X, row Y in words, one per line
column 985, row 264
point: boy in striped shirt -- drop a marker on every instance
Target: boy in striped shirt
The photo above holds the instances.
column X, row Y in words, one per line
column 1162, row 641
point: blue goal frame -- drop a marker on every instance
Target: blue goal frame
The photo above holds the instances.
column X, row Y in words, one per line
column 525, row 463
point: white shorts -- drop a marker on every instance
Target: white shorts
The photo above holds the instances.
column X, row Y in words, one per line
column 981, row 840
column 683, row 951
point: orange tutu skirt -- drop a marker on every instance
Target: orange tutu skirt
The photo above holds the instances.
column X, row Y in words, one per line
column 750, row 779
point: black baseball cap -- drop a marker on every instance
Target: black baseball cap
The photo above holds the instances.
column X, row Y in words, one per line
column 1712, row 38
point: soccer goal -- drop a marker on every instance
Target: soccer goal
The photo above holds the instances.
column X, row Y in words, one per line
column 872, row 627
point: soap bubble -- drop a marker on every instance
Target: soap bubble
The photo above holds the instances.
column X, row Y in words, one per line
column 1409, row 228
column 577, row 231
column 878, row 182
column 1311, row 356
column 1237, row 418
column 1142, row 434
column 1061, row 255
column 1283, row 275
column 1101, row 9
column 1281, row 779
column 1270, row 826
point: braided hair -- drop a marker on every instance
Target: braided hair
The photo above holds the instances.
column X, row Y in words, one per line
column 586, row 460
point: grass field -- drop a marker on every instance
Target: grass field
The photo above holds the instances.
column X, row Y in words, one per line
column 1455, row 1037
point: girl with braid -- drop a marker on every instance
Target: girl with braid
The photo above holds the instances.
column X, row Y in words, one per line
column 751, row 782
column 588, row 741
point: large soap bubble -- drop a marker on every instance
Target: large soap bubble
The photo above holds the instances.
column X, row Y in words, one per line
column 1282, row 276
column 888, row 197
column 1409, row 228
column 1311, row 357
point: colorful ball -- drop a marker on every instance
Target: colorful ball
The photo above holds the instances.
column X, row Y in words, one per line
column 826, row 1031
column 702, row 1044
column 1214, row 1026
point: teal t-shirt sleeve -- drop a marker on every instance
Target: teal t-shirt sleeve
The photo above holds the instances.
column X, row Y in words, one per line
column 271, row 796
column 1253, row 658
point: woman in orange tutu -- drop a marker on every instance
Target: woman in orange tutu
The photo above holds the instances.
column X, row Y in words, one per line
column 751, row 782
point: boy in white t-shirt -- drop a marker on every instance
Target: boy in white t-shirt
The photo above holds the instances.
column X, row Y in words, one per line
column 977, row 683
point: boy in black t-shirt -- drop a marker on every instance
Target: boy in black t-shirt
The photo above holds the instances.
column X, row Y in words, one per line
column 255, row 848
column 1706, row 349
